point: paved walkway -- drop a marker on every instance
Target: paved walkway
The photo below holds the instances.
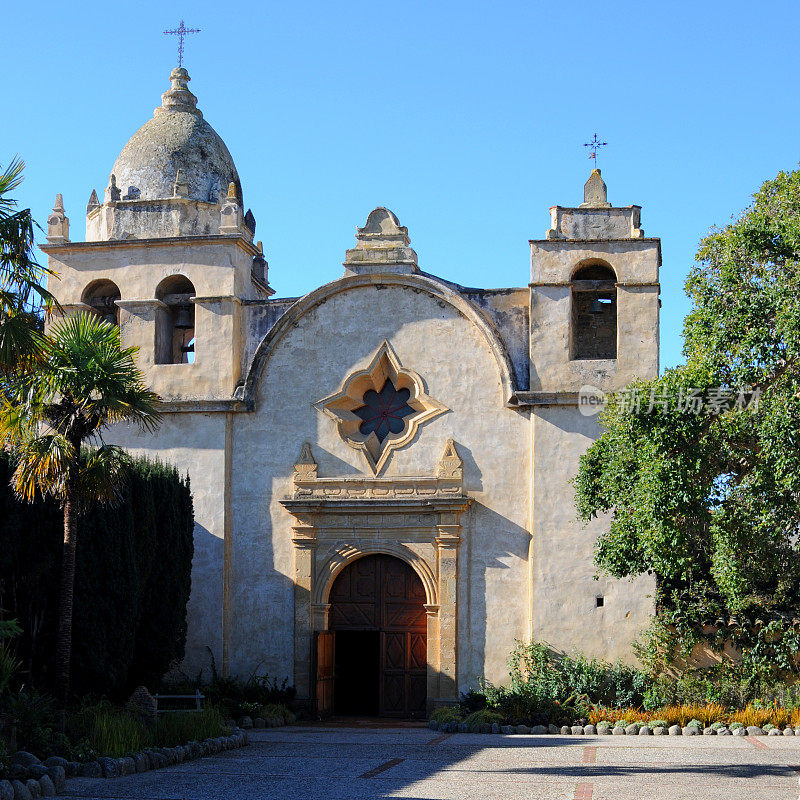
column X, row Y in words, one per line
column 338, row 763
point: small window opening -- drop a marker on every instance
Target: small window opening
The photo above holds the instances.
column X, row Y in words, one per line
column 600, row 600
column 102, row 297
column 175, row 326
column 594, row 313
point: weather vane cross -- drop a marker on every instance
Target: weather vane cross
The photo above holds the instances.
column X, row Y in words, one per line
column 594, row 144
column 181, row 31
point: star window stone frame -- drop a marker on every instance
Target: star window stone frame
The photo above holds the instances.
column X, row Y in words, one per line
column 341, row 406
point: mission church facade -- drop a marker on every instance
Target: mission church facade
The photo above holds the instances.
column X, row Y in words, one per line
column 381, row 469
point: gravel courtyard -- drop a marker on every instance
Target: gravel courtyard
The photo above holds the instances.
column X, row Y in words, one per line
column 360, row 763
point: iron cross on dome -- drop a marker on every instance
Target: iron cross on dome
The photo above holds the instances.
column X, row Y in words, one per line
column 181, row 32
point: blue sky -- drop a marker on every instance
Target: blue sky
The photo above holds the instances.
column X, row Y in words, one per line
column 466, row 119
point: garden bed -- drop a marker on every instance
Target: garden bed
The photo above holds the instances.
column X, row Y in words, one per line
column 50, row 776
column 617, row 729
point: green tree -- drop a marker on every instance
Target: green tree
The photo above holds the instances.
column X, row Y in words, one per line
column 132, row 581
column 22, row 293
column 708, row 501
column 53, row 416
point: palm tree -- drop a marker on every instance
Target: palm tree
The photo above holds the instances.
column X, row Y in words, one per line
column 21, row 278
column 53, row 417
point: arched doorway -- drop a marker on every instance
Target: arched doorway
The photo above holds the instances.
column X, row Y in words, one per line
column 378, row 633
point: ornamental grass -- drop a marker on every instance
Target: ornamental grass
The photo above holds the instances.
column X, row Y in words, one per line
column 179, row 727
column 707, row 713
column 750, row 715
column 672, row 715
column 115, row 732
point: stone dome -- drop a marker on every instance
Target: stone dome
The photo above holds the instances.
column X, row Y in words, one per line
column 176, row 154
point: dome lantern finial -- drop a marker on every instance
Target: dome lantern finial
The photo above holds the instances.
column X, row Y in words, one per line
column 175, row 157
column 179, row 97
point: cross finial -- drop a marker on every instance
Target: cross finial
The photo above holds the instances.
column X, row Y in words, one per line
column 181, row 31
column 594, row 144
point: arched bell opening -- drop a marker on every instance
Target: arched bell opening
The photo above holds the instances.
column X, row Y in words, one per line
column 594, row 312
column 101, row 296
column 373, row 659
column 175, row 321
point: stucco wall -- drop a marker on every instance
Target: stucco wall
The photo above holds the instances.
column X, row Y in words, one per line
column 564, row 609
column 310, row 362
column 195, row 444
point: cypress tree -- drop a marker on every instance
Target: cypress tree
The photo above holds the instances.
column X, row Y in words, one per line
column 133, row 577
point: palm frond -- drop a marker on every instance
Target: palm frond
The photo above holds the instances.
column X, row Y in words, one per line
column 102, row 476
column 84, row 381
column 21, row 345
column 98, row 375
column 22, row 292
column 10, row 179
column 43, row 467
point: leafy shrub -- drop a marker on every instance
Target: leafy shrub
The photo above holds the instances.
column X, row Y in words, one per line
column 236, row 698
column 279, row 712
column 251, row 709
column 732, row 685
column 659, row 723
column 550, row 688
column 34, row 715
column 447, row 714
column 484, row 716
column 535, row 667
column 528, row 705
column 473, row 700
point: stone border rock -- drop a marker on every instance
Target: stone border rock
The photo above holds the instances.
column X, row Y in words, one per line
column 31, row 779
column 28, row 778
column 158, row 757
column 261, row 722
column 633, row 729
column 48, row 785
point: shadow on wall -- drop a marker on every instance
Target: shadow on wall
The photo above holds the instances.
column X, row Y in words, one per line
column 489, row 541
column 204, row 610
column 498, row 602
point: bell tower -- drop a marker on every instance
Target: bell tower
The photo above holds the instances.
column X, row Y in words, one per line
column 169, row 254
column 594, row 298
column 594, row 326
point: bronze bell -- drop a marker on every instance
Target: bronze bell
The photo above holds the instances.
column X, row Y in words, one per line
column 184, row 319
column 110, row 318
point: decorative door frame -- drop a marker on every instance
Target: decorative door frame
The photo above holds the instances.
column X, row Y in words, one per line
column 416, row 519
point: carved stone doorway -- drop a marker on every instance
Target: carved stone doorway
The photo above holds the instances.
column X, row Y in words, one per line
column 379, row 624
column 340, row 521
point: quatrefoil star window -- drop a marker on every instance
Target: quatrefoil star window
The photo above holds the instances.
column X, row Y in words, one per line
column 379, row 409
column 384, row 412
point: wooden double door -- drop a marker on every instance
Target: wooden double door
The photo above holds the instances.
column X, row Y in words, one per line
column 373, row 658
